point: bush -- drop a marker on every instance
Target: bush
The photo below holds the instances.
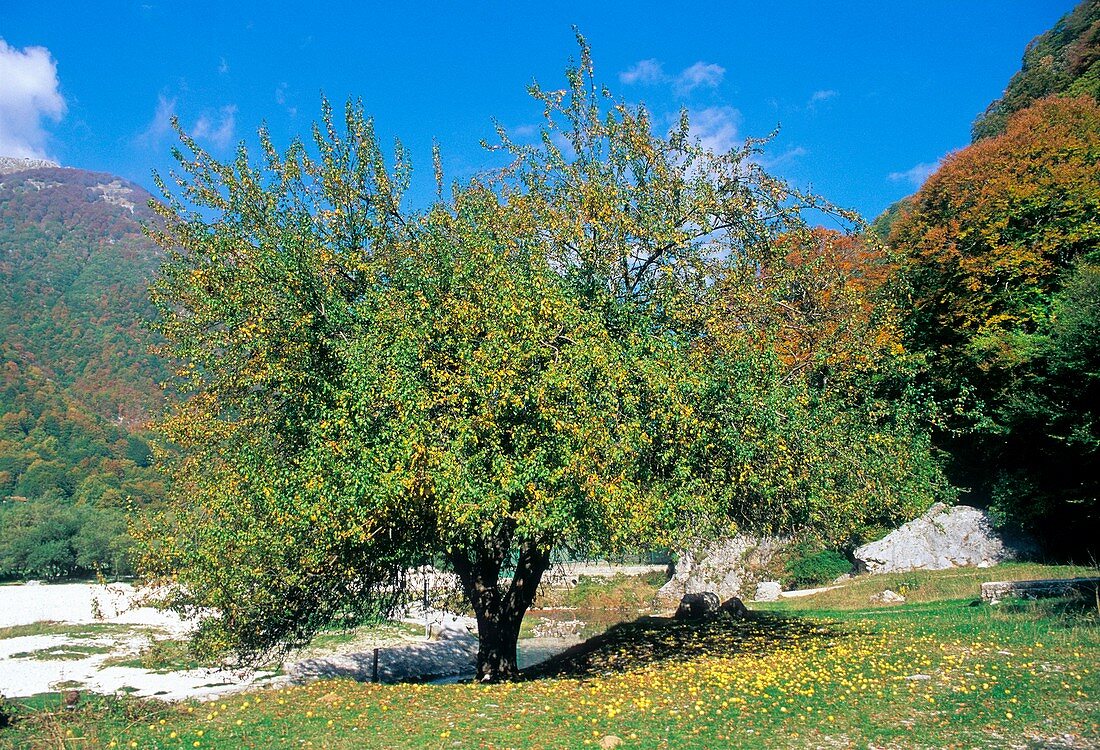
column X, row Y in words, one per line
column 817, row 568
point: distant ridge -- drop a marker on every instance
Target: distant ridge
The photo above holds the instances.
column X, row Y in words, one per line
column 9, row 164
column 77, row 381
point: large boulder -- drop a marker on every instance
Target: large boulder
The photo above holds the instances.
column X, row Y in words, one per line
column 735, row 608
column 697, row 606
column 722, row 567
column 944, row 537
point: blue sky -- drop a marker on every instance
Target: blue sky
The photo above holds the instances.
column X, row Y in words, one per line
column 868, row 95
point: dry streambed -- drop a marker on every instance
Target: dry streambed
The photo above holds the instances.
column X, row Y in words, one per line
column 98, row 638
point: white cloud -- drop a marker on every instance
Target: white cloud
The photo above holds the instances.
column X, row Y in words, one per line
column 915, row 175
column 28, row 93
column 223, row 66
column 699, row 74
column 783, row 159
column 220, row 132
column 646, row 72
column 823, row 95
column 650, row 72
column 716, row 128
column 161, row 124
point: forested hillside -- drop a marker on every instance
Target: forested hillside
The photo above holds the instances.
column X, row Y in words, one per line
column 999, row 261
column 78, row 384
column 1063, row 61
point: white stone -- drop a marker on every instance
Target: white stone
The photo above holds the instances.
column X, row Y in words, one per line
column 887, row 597
column 768, row 591
column 722, row 567
column 944, row 537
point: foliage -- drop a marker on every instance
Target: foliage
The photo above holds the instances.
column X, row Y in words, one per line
column 816, row 568
column 68, row 482
column 1063, row 61
column 543, row 361
column 74, row 266
column 998, row 243
column 77, row 383
column 818, row 302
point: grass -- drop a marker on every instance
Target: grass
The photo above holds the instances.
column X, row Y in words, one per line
column 66, row 629
column 619, row 593
column 938, row 673
column 597, row 601
column 161, row 655
column 930, row 586
column 62, row 653
column 328, row 640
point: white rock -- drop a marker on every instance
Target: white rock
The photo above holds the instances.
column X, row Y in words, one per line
column 768, row 591
column 10, row 164
column 887, row 597
column 721, row 567
column 942, row 538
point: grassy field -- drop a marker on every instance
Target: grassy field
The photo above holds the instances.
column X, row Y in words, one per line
column 828, row 671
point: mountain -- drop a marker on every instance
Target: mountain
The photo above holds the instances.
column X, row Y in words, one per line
column 77, row 384
column 1062, row 61
column 74, row 267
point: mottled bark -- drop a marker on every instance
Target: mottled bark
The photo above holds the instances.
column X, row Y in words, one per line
column 499, row 608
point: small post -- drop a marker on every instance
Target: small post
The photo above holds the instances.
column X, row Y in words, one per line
column 374, row 669
column 427, row 620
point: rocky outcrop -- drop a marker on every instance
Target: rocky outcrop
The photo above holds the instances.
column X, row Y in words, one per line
column 944, row 537
column 722, row 568
column 12, row 164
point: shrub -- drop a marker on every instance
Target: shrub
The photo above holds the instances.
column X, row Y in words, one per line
column 817, row 568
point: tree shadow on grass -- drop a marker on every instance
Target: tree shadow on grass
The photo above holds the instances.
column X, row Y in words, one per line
column 421, row 661
column 1076, row 609
column 651, row 640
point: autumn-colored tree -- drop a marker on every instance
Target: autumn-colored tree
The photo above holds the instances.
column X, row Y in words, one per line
column 1063, row 61
column 990, row 241
column 820, row 300
column 537, row 362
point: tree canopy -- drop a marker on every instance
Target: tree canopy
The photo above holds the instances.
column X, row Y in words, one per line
column 567, row 353
column 1062, row 61
column 1000, row 247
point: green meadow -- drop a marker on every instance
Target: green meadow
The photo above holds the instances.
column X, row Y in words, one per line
column 829, row 671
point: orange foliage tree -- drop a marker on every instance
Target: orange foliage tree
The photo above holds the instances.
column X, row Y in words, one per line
column 990, row 242
column 819, row 299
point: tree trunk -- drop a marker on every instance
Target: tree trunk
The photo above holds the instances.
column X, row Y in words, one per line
column 499, row 612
